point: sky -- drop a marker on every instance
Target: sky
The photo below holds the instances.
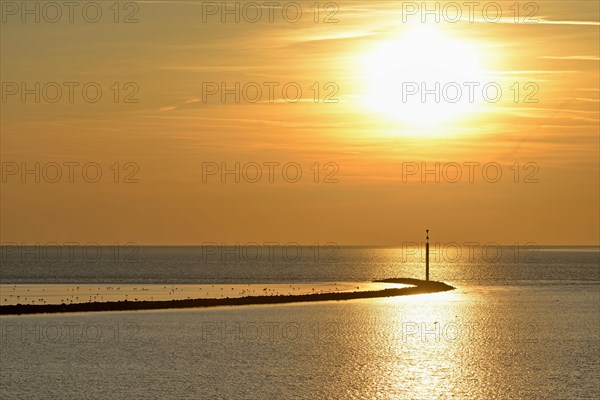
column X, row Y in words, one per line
column 153, row 161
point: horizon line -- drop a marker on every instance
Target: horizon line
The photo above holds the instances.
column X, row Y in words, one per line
column 282, row 244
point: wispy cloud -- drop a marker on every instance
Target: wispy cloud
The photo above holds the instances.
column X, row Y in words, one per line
column 550, row 22
column 583, row 58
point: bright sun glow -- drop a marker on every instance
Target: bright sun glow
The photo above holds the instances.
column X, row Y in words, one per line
column 423, row 78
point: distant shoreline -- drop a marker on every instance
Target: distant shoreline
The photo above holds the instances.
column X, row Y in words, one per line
column 419, row 287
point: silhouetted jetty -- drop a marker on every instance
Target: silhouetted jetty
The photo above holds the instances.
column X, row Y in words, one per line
column 426, row 286
column 419, row 287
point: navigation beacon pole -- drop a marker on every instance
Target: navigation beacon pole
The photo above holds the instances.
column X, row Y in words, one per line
column 427, row 257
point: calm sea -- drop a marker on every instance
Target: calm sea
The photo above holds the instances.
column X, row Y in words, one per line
column 524, row 323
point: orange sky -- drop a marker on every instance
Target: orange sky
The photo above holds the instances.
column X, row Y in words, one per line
column 361, row 195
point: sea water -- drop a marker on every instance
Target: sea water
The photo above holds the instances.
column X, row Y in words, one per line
column 521, row 324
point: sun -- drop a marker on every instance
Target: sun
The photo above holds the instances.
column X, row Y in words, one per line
column 424, row 77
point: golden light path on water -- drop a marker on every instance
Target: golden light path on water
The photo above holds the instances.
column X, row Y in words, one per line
column 426, row 346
